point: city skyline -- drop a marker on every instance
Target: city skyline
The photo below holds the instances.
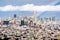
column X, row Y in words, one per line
column 7, row 4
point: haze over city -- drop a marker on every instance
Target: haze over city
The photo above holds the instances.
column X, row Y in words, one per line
column 45, row 8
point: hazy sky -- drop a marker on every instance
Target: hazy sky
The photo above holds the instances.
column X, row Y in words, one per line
column 23, row 2
column 10, row 7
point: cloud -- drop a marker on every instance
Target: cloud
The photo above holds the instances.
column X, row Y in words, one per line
column 30, row 7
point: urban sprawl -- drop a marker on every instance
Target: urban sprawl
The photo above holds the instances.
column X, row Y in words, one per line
column 29, row 28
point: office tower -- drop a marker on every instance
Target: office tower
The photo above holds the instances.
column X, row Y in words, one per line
column 49, row 18
column 14, row 15
column 22, row 23
column 53, row 18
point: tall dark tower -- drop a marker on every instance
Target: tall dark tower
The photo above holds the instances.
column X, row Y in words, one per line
column 14, row 15
column 53, row 18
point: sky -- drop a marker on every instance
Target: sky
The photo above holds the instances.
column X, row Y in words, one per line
column 45, row 8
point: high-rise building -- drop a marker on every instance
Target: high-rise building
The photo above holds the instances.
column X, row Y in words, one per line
column 53, row 18
column 22, row 23
column 14, row 15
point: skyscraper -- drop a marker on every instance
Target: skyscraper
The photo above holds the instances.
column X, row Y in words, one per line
column 14, row 15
